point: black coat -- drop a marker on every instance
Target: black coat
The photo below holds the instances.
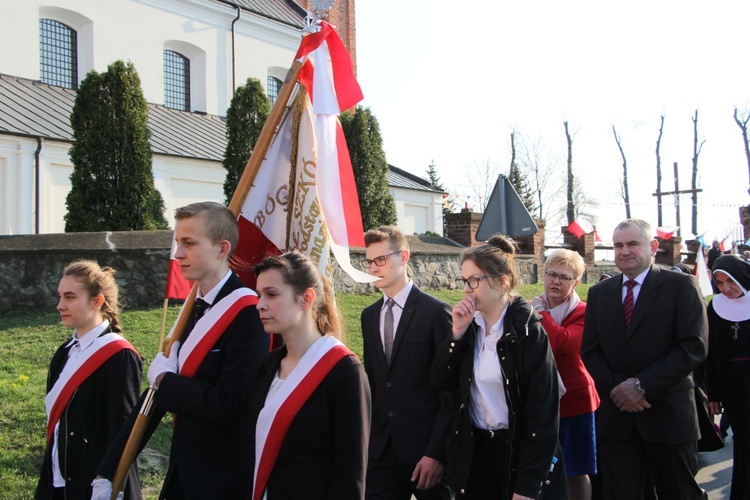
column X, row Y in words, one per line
column 405, row 406
column 90, row 422
column 211, row 444
column 532, row 392
column 665, row 342
column 324, row 453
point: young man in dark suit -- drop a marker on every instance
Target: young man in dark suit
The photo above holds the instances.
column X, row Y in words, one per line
column 644, row 333
column 207, row 378
column 410, row 418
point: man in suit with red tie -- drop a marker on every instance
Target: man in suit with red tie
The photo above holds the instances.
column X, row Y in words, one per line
column 644, row 334
column 410, row 418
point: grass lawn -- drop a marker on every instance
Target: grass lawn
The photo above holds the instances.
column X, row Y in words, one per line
column 28, row 339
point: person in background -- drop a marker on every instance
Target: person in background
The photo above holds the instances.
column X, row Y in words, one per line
column 714, row 253
column 562, row 312
column 93, row 383
column 710, row 439
column 311, row 402
column 644, row 333
column 728, row 364
column 503, row 440
column 401, row 333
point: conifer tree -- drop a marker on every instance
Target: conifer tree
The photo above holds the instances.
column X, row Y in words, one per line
column 435, row 182
column 246, row 116
column 365, row 143
column 520, row 184
column 432, row 176
column 112, row 184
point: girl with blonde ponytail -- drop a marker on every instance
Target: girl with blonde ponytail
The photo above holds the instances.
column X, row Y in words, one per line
column 93, row 383
column 311, row 401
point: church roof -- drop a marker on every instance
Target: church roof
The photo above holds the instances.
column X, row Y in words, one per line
column 33, row 109
column 29, row 108
column 283, row 11
column 402, row 179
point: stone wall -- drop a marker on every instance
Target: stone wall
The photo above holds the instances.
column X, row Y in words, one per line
column 31, row 265
column 430, row 270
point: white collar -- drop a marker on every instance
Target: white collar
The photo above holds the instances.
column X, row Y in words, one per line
column 732, row 309
column 638, row 279
column 210, row 297
column 401, row 296
column 496, row 328
column 89, row 337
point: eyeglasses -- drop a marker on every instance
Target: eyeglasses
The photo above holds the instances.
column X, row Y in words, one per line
column 379, row 261
column 473, row 282
column 554, row 276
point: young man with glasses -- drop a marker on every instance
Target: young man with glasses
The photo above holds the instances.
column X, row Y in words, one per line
column 410, row 419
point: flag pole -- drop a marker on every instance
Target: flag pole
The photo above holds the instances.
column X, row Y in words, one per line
column 163, row 320
column 243, row 187
column 266, row 138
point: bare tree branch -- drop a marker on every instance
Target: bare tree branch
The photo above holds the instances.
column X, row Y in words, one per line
column 481, row 176
column 696, row 151
column 658, row 171
column 571, row 209
column 742, row 123
column 541, row 165
column 624, row 183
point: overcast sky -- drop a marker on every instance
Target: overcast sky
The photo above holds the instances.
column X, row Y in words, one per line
column 448, row 81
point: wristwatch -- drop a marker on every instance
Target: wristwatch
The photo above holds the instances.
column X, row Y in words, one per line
column 639, row 387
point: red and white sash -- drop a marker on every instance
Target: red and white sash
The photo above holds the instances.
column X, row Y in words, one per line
column 211, row 327
column 281, row 408
column 58, row 397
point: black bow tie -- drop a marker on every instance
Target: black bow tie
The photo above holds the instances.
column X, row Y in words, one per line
column 201, row 306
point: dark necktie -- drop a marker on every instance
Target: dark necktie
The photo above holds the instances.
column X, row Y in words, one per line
column 199, row 308
column 388, row 330
column 627, row 304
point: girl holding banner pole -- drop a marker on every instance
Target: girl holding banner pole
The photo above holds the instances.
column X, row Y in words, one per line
column 311, row 400
column 93, row 383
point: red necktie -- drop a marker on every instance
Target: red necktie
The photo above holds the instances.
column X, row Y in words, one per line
column 627, row 305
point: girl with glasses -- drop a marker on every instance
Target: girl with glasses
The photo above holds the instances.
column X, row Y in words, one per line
column 503, row 439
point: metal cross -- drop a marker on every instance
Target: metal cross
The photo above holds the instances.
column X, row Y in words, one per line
column 736, row 328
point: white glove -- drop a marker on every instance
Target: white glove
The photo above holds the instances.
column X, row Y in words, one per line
column 103, row 490
column 162, row 364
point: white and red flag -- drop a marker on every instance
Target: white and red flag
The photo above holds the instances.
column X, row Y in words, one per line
column 579, row 227
column 726, row 244
column 304, row 197
column 666, row 233
column 177, row 286
column 701, row 272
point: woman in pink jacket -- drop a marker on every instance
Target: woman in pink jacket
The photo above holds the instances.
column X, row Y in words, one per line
column 562, row 314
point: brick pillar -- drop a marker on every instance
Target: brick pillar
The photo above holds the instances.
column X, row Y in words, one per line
column 462, row 227
column 534, row 244
column 669, row 251
column 584, row 245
